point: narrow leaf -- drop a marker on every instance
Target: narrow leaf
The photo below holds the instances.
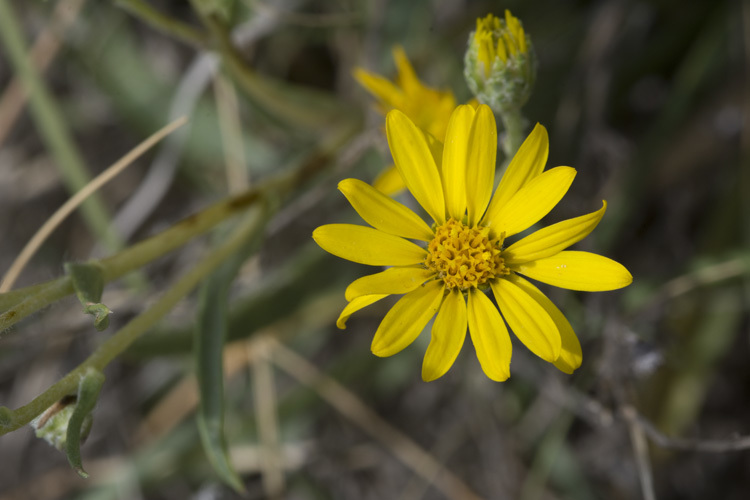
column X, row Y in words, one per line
column 210, row 337
column 79, row 424
column 88, row 282
column 101, row 313
column 209, row 348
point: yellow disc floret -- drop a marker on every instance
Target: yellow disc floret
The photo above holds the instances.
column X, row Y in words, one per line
column 463, row 256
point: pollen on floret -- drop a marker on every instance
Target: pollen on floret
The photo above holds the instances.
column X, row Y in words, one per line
column 464, row 257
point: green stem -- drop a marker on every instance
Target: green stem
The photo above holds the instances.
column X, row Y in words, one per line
column 298, row 106
column 19, row 304
column 13, row 297
column 513, row 124
column 31, row 299
column 51, row 124
column 164, row 23
column 135, row 328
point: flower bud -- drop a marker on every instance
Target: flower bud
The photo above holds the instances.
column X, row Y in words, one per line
column 500, row 65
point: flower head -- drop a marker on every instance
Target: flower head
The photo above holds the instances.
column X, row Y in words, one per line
column 500, row 65
column 464, row 252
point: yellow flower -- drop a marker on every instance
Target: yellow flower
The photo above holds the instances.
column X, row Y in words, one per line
column 428, row 108
column 464, row 252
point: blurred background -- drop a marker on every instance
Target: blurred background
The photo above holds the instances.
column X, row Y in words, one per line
column 648, row 100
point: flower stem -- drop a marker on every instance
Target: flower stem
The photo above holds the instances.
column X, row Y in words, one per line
column 164, row 23
column 513, row 124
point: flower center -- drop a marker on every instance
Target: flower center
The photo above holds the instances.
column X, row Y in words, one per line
column 465, row 257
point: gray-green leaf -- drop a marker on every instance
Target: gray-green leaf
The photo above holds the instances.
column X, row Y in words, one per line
column 80, row 421
column 88, row 282
column 210, row 336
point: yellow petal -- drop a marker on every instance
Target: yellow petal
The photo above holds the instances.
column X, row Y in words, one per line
column 415, row 163
column 389, row 181
column 407, row 77
column 533, row 201
column 443, row 109
column 570, row 350
column 406, row 319
column 489, row 335
column 527, row 163
column 521, row 37
column 575, row 270
column 354, row 306
column 384, row 213
column 395, row 280
column 480, row 166
column 436, row 148
column 510, row 43
column 502, row 53
column 367, row 246
column 455, row 157
column 448, row 334
column 553, row 239
column 527, row 319
column 380, row 87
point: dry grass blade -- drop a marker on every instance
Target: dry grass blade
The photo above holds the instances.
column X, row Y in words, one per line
column 227, row 108
column 708, row 275
column 42, row 53
column 738, row 443
column 48, row 227
column 182, row 399
column 350, row 406
column 640, row 449
column 264, row 394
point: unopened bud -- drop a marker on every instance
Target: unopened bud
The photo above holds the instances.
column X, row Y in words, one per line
column 500, row 65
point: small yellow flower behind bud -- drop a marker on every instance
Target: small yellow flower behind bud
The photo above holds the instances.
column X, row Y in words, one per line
column 500, row 65
column 428, row 107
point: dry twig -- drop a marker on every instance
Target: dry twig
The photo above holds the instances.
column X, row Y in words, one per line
column 402, row 447
column 640, row 449
column 738, row 443
column 42, row 53
column 264, row 393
